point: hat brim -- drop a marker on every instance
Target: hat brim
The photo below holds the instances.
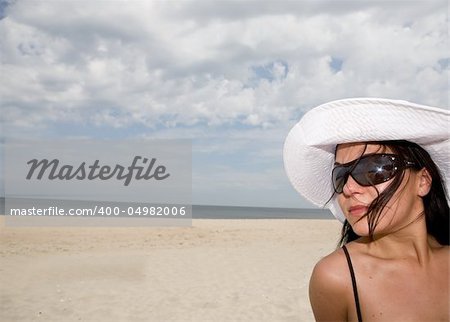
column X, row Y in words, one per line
column 310, row 145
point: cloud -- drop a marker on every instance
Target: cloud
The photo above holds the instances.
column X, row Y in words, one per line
column 195, row 62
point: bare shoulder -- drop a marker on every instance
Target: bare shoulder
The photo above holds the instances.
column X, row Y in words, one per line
column 328, row 288
column 443, row 250
column 443, row 255
column 330, row 268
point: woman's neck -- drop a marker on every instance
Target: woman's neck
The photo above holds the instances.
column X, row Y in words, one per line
column 409, row 242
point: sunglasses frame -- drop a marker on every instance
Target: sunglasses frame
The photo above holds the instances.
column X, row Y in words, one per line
column 399, row 164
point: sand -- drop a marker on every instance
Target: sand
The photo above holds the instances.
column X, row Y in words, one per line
column 216, row 270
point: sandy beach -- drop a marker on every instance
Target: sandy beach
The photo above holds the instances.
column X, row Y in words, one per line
column 216, row 270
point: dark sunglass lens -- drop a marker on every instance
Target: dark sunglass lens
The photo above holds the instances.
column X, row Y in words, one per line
column 375, row 169
column 339, row 176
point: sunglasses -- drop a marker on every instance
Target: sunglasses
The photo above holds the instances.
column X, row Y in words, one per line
column 369, row 170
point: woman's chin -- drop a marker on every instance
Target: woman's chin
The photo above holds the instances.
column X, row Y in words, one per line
column 360, row 228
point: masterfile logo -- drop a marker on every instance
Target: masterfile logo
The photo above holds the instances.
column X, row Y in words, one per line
column 87, row 178
column 148, row 170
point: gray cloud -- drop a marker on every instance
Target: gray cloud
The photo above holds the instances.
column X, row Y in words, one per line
column 197, row 62
column 206, row 11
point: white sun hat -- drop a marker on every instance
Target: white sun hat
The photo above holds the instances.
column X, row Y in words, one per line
column 310, row 145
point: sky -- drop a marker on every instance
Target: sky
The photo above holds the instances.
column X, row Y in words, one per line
column 233, row 76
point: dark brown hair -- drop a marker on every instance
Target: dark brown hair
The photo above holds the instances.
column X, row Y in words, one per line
column 436, row 209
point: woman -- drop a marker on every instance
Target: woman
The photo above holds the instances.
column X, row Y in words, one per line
column 382, row 168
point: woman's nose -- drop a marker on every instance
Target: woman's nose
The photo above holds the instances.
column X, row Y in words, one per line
column 351, row 187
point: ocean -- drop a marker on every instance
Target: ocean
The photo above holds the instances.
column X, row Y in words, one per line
column 233, row 212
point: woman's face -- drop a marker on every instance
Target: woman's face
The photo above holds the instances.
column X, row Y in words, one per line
column 403, row 208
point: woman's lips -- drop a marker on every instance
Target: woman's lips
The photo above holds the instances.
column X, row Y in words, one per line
column 357, row 210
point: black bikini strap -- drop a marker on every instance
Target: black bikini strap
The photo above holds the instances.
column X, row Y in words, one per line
column 355, row 289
